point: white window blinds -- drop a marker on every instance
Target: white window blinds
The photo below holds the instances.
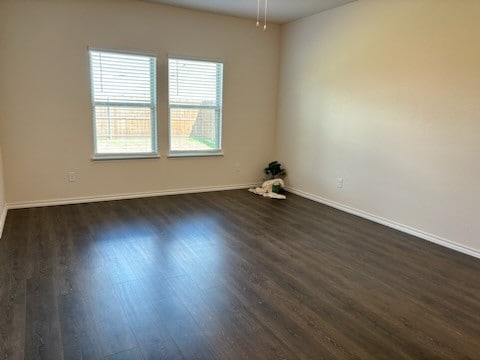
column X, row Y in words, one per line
column 124, row 103
column 195, row 106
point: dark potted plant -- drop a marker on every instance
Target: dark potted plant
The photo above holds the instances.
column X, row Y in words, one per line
column 274, row 170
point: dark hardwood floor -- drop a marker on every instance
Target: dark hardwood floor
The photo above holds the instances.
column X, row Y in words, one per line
column 228, row 275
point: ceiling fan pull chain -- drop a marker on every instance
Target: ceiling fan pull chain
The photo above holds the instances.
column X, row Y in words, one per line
column 258, row 13
column 265, row 23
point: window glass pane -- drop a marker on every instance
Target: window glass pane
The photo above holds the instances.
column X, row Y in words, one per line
column 120, row 77
column 123, row 129
column 194, row 129
column 193, row 82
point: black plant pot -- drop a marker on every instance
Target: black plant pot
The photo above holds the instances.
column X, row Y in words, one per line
column 276, row 189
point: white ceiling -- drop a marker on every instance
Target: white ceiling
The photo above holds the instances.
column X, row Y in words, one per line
column 279, row 11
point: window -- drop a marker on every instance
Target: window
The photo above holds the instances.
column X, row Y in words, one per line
column 195, row 107
column 124, row 104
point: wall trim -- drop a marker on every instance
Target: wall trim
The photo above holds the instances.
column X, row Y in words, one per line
column 392, row 224
column 3, row 217
column 90, row 199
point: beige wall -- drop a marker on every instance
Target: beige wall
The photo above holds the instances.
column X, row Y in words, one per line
column 2, row 132
column 2, row 196
column 386, row 95
column 45, row 95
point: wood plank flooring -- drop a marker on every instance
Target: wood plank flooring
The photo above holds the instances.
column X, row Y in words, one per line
column 228, row 275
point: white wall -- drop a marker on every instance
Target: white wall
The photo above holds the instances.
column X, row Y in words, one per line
column 386, row 95
column 46, row 107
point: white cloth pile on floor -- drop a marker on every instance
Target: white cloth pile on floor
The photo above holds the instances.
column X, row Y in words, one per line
column 266, row 189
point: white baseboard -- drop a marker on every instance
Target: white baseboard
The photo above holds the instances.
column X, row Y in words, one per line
column 89, row 199
column 3, row 217
column 392, row 224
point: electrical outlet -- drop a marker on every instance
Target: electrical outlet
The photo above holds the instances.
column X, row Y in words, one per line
column 72, row 176
column 236, row 168
column 339, row 183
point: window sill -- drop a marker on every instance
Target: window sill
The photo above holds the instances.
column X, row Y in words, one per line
column 185, row 154
column 124, row 157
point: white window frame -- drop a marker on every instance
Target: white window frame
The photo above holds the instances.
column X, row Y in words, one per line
column 152, row 105
column 196, row 153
